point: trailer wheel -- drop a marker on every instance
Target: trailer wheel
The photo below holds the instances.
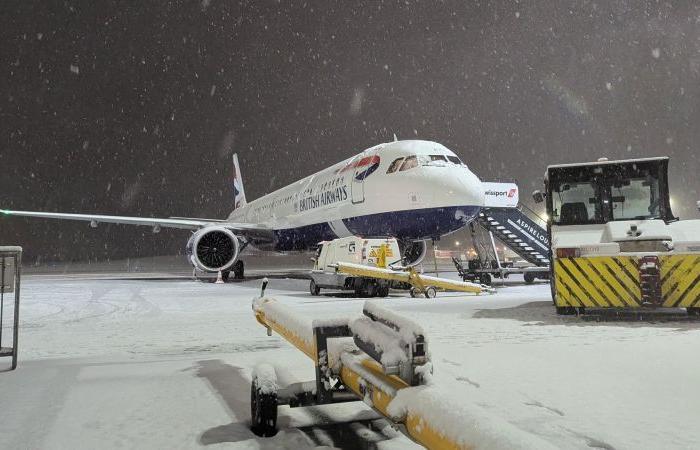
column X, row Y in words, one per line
column 430, row 292
column 529, row 277
column 313, row 288
column 263, row 410
column 485, row 278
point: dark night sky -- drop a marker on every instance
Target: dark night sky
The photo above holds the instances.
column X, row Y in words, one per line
column 135, row 110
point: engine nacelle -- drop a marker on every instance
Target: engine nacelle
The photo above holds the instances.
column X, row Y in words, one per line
column 213, row 249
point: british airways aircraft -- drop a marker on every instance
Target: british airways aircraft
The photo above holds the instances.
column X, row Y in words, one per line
column 411, row 190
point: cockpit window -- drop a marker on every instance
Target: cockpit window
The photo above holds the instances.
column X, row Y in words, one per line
column 455, row 160
column 393, row 167
column 438, row 158
column 409, row 163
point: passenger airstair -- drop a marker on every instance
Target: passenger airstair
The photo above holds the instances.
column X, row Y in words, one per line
column 519, row 232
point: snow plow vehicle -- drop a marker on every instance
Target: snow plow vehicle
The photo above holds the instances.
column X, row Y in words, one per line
column 615, row 242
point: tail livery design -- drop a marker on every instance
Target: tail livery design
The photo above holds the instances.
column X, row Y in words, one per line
column 238, row 192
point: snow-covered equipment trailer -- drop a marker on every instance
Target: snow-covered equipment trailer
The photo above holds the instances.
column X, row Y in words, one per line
column 420, row 284
column 380, row 358
column 372, row 252
column 614, row 240
column 10, row 272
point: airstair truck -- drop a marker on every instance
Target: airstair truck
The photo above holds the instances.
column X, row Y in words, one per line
column 614, row 240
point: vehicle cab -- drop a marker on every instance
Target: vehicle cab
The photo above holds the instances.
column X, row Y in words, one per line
column 614, row 239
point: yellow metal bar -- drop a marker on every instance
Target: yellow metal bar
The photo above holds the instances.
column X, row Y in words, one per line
column 308, row 348
column 366, row 379
column 409, row 276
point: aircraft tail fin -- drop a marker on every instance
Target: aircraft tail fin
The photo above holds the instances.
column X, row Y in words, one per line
column 238, row 192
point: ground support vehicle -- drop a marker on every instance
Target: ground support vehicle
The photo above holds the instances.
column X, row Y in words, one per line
column 615, row 241
column 372, row 252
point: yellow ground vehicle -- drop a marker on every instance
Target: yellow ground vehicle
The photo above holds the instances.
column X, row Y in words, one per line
column 614, row 240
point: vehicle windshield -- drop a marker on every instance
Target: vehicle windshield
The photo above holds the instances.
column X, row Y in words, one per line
column 599, row 194
column 575, row 203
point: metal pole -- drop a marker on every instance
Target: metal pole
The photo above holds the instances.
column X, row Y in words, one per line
column 435, row 258
column 15, row 334
column 498, row 260
column 2, row 296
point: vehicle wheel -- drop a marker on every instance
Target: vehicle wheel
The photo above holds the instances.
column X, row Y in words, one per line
column 566, row 310
column 430, row 292
column 225, row 275
column 263, row 410
column 359, row 288
column 529, row 277
column 383, row 291
column 485, row 278
column 238, row 270
column 370, row 289
column 415, row 292
column 693, row 312
column 313, row 288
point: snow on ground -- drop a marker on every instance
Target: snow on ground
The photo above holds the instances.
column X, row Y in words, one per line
column 166, row 363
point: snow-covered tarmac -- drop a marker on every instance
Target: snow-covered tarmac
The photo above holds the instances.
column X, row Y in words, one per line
column 139, row 363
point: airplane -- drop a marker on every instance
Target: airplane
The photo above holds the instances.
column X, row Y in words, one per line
column 412, row 190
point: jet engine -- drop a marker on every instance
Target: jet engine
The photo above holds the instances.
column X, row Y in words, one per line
column 213, row 249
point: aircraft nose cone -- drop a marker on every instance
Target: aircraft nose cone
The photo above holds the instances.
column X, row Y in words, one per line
column 457, row 187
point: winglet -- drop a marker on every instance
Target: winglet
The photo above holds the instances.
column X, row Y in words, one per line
column 238, row 192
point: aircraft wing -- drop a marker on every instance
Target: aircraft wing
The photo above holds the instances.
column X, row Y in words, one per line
column 172, row 222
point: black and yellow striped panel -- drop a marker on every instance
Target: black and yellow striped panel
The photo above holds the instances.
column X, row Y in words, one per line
column 595, row 282
column 680, row 281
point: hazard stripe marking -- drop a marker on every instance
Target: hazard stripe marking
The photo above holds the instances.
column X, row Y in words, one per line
column 602, row 297
column 579, row 279
column 682, row 278
column 691, row 297
column 563, row 277
column 668, row 267
column 631, row 287
column 690, row 273
column 611, row 291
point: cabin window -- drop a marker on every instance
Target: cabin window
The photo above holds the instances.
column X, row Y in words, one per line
column 394, row 165
column 409, row 163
